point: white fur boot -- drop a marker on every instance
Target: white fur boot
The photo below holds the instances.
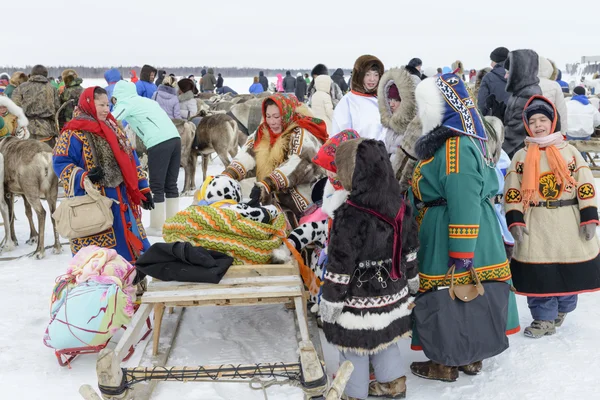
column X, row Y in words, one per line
column 172, row 207
column 157, row 220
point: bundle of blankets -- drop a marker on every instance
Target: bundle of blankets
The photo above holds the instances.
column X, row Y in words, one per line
column 219, row 220
column 92, row 301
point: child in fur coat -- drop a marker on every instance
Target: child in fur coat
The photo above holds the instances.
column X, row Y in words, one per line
column 371, row 276
column 315, row 231
column 551, row 211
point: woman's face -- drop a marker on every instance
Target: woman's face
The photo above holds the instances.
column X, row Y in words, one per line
column 274, row 119
column 540, row 125
column 102, row 106
column 394, row 104
column 152, row 76
column 3, row 110
column 371, row 80
column 331, row 175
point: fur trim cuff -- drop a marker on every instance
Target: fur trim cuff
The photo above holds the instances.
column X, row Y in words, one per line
column 427, row 145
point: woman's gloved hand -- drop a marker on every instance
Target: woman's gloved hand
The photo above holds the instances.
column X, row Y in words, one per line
column 460, row 264
column 259, row 196
column 95, row 174
column 148, row 203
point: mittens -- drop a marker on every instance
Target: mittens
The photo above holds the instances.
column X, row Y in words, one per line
column 588, row 231
column 95, row 174
column 518, row 232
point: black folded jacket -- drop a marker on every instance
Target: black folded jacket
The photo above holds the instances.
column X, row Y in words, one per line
column 180, row 261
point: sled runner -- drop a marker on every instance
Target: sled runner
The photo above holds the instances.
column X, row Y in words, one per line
column 243, row 285
column 589, row 148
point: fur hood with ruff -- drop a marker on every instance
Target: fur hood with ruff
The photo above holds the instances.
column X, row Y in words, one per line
column 398, row 121
column 15, row 110
column 69, row 77
column 523, row 67
column 145, row 73
column 547, row 69
column 362, row 65
column 431, row 105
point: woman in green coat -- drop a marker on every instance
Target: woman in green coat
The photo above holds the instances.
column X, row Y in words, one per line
column 451, row 189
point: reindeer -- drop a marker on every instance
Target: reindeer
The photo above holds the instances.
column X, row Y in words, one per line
column 216, row 133
column 26, row 170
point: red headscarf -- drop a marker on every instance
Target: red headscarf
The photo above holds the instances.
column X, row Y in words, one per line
column 325, row 157
column 87, row 120
column 287, row 107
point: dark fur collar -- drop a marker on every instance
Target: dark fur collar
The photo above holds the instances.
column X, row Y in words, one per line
column 427, row 145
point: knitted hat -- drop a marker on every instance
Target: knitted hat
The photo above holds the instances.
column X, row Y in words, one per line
column 39, row 70
column 499, row 54
column 393, row 92
column 415, row 62
column 539, row 106
column 579, row 90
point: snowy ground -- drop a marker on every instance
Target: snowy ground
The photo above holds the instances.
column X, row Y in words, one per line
column 563, row 366
column 240, row 85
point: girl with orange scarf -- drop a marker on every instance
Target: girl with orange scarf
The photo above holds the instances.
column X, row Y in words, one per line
column 551, row 210
column 280, row 155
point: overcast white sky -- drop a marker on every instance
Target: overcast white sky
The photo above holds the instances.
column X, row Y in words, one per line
column 291, row 34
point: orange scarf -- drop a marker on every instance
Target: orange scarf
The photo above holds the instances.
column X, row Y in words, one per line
column 531, row 169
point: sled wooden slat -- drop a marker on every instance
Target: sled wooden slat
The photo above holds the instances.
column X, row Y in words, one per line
column 229, row 282
column 132, row 335
column 242, row 285
column 171, row 298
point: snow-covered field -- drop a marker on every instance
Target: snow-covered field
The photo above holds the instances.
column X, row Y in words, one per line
column 564, row 366
column 240, row 85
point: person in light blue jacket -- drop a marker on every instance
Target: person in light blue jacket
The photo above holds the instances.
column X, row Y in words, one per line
column 145, row 86
column 160, row 136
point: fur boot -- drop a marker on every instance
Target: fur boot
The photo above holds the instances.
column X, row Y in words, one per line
column 172, row 207
column 157, row 220
column 395, row 389
column 472, row 369
column 433, row 371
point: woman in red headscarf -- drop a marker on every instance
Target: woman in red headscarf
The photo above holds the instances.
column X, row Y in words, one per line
column 92, row 146
column 280, row 154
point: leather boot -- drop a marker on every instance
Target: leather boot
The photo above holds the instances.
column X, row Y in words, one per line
column 433, row 371
column 472, row 369
column 395, row 389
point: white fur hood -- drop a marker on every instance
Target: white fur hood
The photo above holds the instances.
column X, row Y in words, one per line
column 14, row 110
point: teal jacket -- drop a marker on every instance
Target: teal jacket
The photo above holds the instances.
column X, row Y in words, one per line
column 145, row 116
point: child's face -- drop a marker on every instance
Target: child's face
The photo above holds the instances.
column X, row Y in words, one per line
column 540, row 125
column 3, row 110
column 331, row 175
column 394, row 104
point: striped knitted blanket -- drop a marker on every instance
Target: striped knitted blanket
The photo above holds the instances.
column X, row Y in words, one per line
column 224, row 230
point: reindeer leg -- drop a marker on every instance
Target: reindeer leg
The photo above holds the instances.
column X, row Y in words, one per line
column 33, row 234
column 205, row 159
column 8, row 242
column 224, row 159
column 36, row 204
column 51, row 199
column 193, row 165
column 10, row 202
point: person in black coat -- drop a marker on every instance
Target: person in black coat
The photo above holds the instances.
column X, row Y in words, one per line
column 161, row 77
column 368, row 288
column 289, row 83
column 301, row 88
column 262, row 79
column 219, row 81
column 338, row 78
column 414, row 67
column 492, row 96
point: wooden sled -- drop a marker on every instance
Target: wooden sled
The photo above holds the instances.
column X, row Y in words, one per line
column 243, row 285
column 588, row 147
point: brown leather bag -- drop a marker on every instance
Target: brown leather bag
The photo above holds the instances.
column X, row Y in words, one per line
column 467, row 292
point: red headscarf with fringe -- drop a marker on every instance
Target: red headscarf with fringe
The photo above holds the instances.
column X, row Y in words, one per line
column 86, row 119
column 287, row 107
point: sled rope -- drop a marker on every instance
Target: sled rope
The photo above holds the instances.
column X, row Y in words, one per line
column 29, row 254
